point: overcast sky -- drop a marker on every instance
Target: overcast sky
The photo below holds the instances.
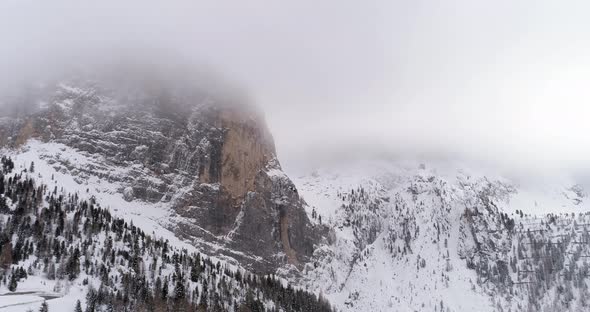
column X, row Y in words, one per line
column 502, row 82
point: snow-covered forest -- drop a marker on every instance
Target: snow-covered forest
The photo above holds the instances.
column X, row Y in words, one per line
column 74, row 250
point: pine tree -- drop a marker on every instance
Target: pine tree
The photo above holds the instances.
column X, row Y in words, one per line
column 179, row 289
column 73, row 265
column 91, row 300
column 165, row 291
column 78, row 307
column 21, row 273
column 195, row 271
column 204, row 295
column 44, row 307
column 13, row 282
column 6, row 256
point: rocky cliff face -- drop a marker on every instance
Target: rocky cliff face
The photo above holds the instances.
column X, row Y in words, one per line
column 207, row 156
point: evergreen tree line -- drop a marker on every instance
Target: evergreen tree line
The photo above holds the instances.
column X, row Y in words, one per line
column 61, row 237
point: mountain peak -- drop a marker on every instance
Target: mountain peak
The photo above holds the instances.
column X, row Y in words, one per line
column 206, row 156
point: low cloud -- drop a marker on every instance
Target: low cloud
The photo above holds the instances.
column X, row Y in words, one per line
column 499, row 83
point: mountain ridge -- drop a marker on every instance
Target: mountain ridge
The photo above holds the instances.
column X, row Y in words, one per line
column 410, row 237
column 68, row 250
column 200, row 169
column 212, row 160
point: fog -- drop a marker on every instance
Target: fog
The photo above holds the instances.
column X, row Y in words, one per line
column 501, row 83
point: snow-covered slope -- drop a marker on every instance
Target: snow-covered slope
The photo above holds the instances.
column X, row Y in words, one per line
column 410, row 237
column 197, row 160
column 48, row 159
column 61, row 246
column 194, row 167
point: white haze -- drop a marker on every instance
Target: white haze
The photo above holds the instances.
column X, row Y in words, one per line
column 496, row 82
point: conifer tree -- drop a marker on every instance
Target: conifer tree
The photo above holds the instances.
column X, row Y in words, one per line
column 44, row 307
column 179, row 289
column 165, row 291
column 13, row 282
column 78, row 307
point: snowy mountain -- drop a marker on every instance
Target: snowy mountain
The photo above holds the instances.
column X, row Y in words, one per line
column 168, row 158
column 59, row 247
column 119, row 182
column 408, row 237
column 200, row 159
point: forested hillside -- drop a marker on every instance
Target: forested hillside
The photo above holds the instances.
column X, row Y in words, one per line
column 419, row 239
column 50, row 234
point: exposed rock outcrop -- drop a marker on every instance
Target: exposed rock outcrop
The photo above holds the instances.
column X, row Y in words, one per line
column 207, row 155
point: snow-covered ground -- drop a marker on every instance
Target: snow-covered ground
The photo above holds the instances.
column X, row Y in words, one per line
column 33, row 290
column 150, row 217
column 355, row 273
column 153, row 218
column 372, row 277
